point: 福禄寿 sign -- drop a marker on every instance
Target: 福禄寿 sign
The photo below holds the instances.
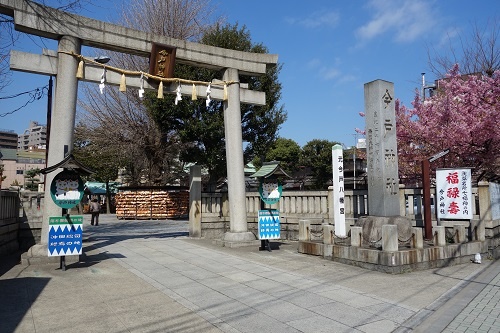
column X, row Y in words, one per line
column 454, row 194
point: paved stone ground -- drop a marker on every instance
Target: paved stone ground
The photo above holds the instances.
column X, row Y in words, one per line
column 148, row 276
column 482, row 314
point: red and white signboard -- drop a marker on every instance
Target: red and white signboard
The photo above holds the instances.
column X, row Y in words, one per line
column 454, row 194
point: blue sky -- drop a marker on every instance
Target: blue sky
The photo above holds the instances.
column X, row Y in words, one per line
column 329, row 50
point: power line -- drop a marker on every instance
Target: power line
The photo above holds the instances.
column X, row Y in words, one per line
column 34, row 95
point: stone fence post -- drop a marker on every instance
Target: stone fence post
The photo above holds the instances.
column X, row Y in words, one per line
column 478, row 231
column 356, row 236
column 195, row 201
column 304, row 230
column 439, row 235
column 483, row 191
column 418, row 238
column 327, row 234
column 459, row 233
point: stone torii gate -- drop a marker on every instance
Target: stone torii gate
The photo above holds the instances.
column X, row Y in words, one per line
column 74, row 31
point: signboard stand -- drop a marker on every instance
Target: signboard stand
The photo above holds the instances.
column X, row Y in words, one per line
column 62, row 262
column 66, row 190
column 270, row 190
column 426, row 183
column 265, row 245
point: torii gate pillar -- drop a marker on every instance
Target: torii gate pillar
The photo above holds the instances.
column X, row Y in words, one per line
column 238, row 231
column 62, row 126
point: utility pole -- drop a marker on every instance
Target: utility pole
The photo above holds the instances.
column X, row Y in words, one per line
column 430, row 87
column 354, row 159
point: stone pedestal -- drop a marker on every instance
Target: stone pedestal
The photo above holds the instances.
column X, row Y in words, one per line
column 38, row 254
column 238, row 239
column 390, row 238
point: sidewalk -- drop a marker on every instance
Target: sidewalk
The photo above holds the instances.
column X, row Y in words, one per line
column 148, row 276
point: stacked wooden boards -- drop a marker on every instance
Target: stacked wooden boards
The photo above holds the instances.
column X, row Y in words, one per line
column 153, row 204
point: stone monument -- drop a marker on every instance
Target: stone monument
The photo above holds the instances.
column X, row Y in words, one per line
column 381, row 149
column 382, row 162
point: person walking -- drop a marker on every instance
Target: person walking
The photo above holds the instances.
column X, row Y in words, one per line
column 95, row 208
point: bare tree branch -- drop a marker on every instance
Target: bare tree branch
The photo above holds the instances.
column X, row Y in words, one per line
column 9, row 37
column 121, row 119
column 479, row 52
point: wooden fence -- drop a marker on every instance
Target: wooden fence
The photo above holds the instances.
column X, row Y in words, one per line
column 9, row 226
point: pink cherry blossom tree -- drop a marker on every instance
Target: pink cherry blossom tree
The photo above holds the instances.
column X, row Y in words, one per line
column 463, row 115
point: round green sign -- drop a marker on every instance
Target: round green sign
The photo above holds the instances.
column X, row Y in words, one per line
column 270, row 191
column 66, row 189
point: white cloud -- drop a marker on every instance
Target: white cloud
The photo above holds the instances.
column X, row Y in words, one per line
column 405, row 20
column 329, row 73
column 317, row 19
column 448, row 36
column 348, row 78
column 313, row 63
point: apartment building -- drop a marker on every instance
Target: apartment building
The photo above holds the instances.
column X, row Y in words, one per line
column 35, row 137
column 8, row 139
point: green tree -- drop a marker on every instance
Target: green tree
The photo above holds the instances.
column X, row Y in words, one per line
column 317, row 155
column 287, row 152
column 2, row 177
column 94, row 152
column 32, row 181
column 201, row 128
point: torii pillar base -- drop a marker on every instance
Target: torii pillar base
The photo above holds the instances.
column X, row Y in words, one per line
column 238, row 239
column 38, row 254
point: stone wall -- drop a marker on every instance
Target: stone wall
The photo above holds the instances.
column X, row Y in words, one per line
column 316, row 206
column 30, row 218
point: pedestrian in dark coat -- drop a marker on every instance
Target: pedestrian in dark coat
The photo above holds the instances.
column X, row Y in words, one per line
column 95, row 208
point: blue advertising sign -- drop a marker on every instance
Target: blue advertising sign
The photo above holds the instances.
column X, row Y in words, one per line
column 269, row 224
column 65, row 235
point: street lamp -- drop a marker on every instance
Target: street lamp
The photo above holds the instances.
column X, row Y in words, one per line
column 103, row 59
